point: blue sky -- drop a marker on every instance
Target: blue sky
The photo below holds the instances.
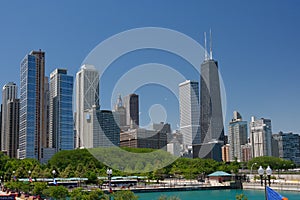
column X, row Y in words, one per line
column 257, row 45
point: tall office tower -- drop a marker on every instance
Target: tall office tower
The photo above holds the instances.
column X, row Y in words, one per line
column 189, row 113
column 9, row 92
column 12, row 127
column 46, row 142
column 87, row 96
column 261, row 137
column 288, row 146
column 61, row 133
column 237, row 136
column 131, row 104
column 120, row 113
column 101, row 129
column 211, row 117
column 32, row 112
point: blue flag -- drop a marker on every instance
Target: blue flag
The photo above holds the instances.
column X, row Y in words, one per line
column 273, row 195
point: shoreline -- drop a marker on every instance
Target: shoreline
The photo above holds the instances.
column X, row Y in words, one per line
column 278, row 187
column 246, row 186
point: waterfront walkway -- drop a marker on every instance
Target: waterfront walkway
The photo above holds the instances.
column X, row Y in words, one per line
column 281, row 186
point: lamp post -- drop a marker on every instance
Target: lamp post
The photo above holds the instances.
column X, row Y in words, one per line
column 109, row 174
column 261, row 174
column 30, row 180
column 54, row 172
column 14, row 175
column 29, row 176
column 251, row 170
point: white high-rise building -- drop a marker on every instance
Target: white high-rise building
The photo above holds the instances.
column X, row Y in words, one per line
column 237, row 136
column 189, row 113
column 261, row 137
column 9, row 93
column 87, row 97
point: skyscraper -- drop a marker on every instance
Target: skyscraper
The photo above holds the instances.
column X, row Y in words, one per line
column 12, row 127
column 189, row 113
column 9, row 93
column 120, row 113
column 261, row 137
column 87, row 96
column 131, row 104
column 32, row 112
column 237, row 136
column 61, row 133
column 288, row 146
column 211, row 116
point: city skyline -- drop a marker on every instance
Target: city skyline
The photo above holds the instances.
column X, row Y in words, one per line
column 265, row 57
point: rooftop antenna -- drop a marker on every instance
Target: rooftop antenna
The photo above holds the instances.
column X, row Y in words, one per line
column 205, row 52
column 210, row 53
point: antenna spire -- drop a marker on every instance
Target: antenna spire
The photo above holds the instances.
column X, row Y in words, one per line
column 210, row 53
column 205, row 51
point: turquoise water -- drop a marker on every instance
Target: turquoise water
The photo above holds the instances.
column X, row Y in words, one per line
column 215, row 195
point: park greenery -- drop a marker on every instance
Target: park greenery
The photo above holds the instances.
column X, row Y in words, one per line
column 82, row 163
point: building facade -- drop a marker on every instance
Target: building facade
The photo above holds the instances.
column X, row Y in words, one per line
column 237, row 136
column 101, row 129
column 261, row 137
column 225, row 153
column 288, row 146
column 246, row 152
column 87, row 97
column 9, row 93
column 143, row 138
column 211, row 115
column 131, row 104
column 12, row 127
column 120, row 114
column 32, row 102
column 61, row 133
column 189, row 114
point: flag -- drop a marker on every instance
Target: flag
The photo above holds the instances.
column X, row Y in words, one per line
column 273, row 195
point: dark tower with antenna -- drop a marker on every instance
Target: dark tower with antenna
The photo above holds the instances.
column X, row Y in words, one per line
column 211, row 116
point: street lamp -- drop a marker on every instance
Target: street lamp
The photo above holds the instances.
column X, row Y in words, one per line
column 54, row 172
column 109, row 174
column 261, row 173
column 14, row 175
column 251, row 170
column 29, row 176
column 30, row 180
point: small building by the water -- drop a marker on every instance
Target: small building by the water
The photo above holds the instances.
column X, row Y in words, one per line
column 220, row 176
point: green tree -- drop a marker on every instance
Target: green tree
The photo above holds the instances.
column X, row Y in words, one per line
column 38, row 188
column 56, row 192
column 124, row 195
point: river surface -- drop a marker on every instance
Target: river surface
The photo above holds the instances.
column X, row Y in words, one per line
column 215, row 195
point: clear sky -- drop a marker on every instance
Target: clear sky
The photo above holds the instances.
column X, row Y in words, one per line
column 256, row 43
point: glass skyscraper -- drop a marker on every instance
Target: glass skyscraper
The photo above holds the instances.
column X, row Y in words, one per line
column 32, row 112
column 61, row 134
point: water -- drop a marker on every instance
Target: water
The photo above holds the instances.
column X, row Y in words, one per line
column 215, row 195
